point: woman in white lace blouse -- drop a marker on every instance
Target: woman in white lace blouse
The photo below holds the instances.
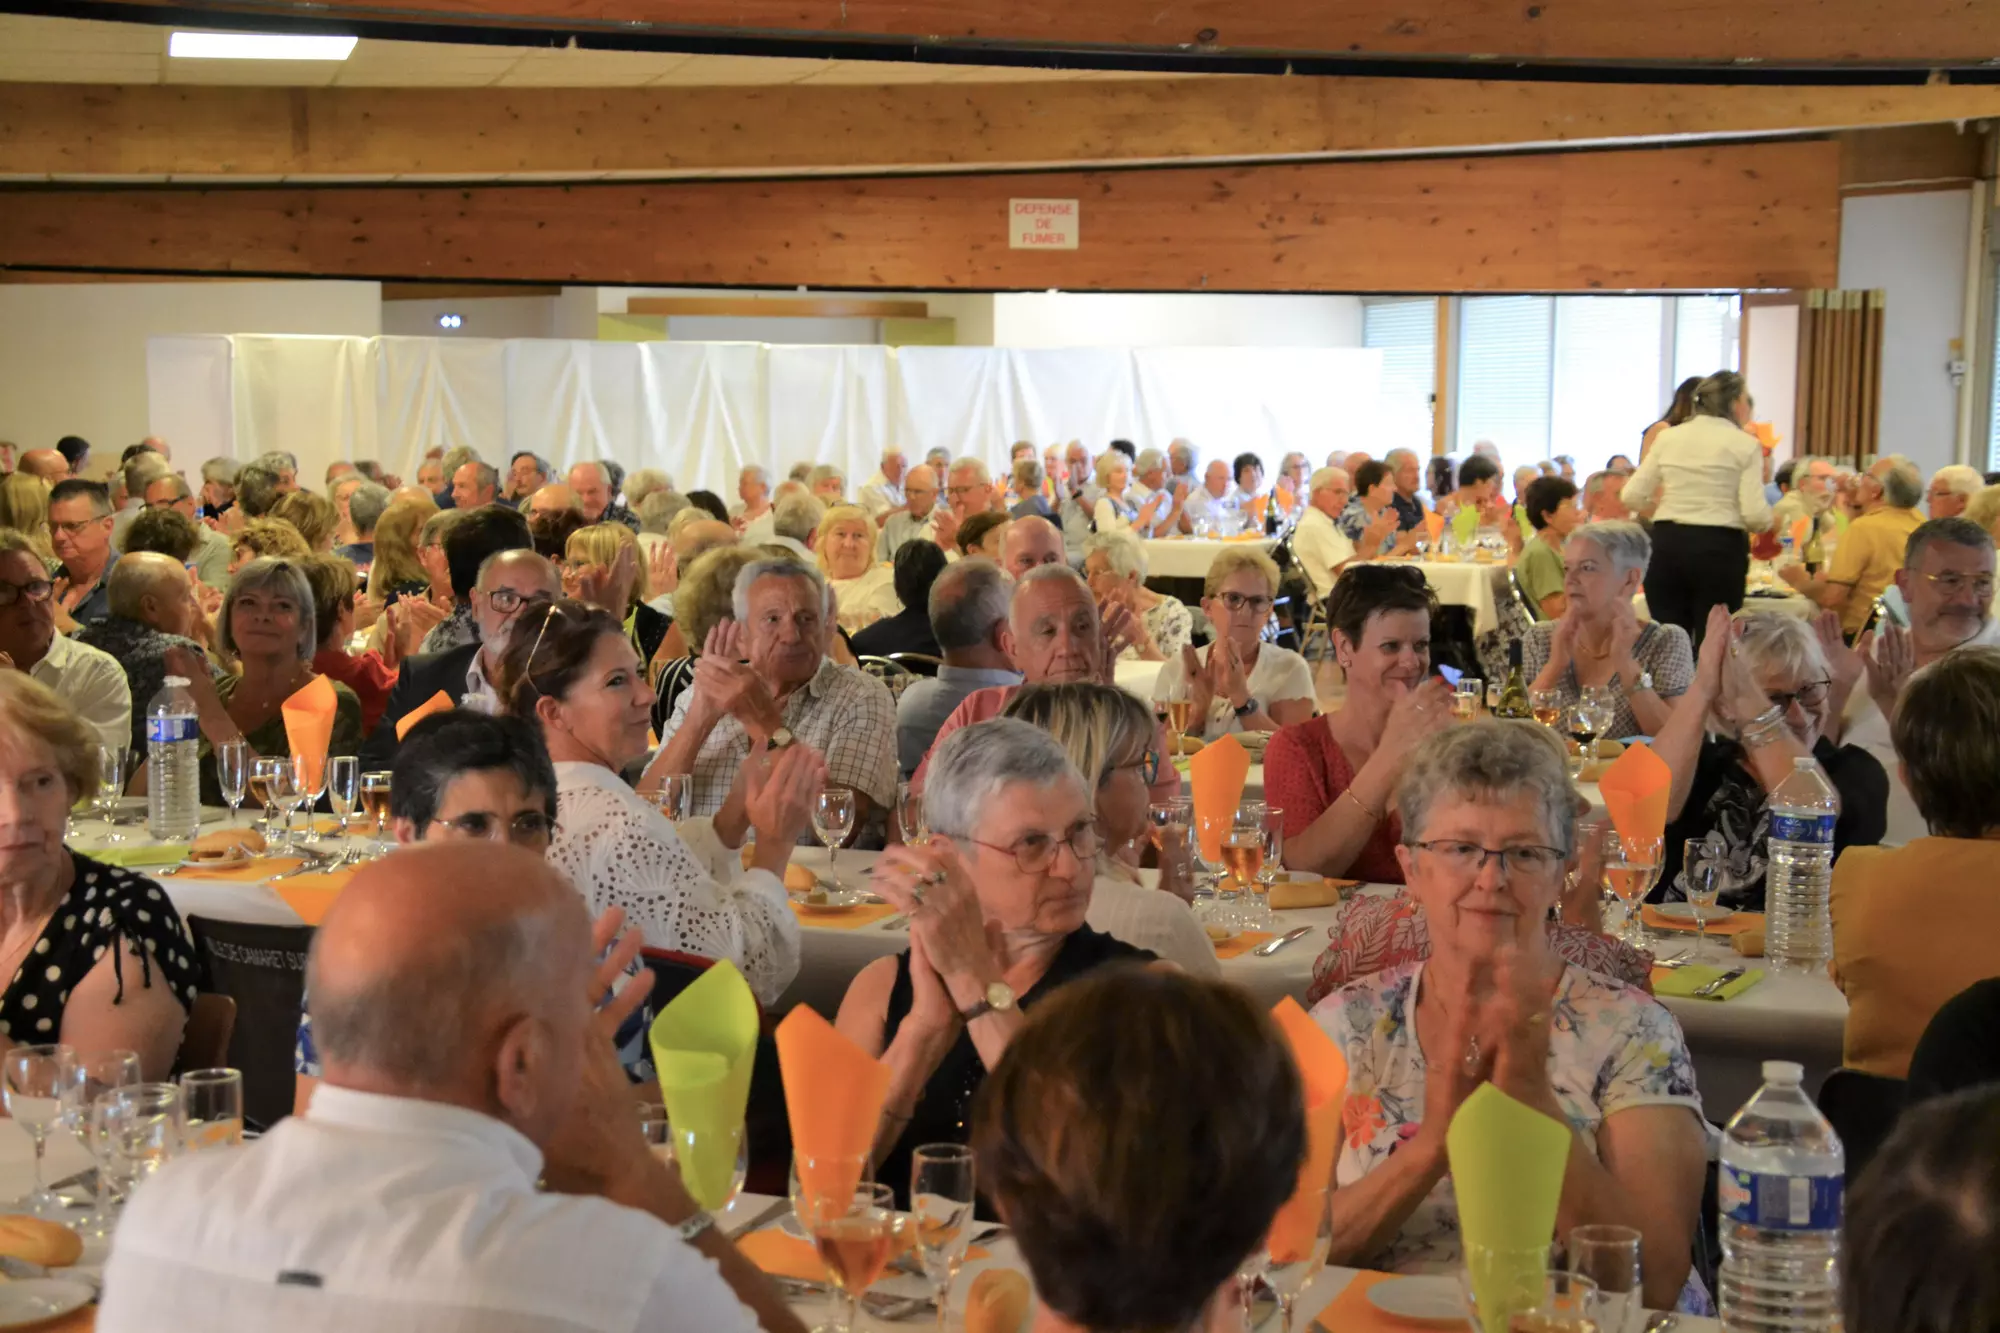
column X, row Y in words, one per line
column 571, row 668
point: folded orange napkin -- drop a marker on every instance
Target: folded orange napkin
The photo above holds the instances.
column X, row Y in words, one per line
column 1241, row 943
column 437, row 703
column 312, row 895
column 1729, row 925
column 1217, row 775
column 1352, row 1312
column 1323, row 1067
column 309, row 725
column 833, row 1095
column 1635, row 790
column 1434, row 525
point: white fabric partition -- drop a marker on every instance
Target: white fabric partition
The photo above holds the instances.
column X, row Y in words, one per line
column 702, row 411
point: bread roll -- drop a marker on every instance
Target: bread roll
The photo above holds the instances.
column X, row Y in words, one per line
column 800, row 880
column 1308, row 893
column 1749, row 943
column 49, row 1244
column 226, row 845
column 997, row 1302
column 1189, row 744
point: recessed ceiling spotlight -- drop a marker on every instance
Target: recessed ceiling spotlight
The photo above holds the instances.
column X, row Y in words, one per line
column 451, row 321
column 257, row 46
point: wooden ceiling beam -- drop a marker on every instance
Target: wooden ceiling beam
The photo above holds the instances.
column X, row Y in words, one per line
column 1725, row 217
column 70, row 131
column 1660, row 32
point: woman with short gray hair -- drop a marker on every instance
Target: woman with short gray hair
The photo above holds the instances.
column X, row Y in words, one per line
column 1487, row 822
column 996, row 901
column 1761, row 700
column 1115, row 564
column 1599, row 640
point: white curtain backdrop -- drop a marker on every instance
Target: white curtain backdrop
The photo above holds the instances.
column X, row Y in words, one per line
column 701, row 411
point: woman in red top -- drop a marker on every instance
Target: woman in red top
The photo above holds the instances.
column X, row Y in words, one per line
column 1335, row 776
column 368, row 674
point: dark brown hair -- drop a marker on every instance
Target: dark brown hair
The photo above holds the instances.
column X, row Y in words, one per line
column 1366, row 590
column 333, row 585
column 1947, row 733
column 1139, row 1135
column 1682, row 406
column 548, row 646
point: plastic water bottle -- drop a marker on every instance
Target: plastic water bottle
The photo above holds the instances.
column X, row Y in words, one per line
column 1798, row 881
column 173, row 750
column 1779, row 1207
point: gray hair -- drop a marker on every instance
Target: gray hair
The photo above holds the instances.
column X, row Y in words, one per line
column 1902, row 484
column 973, row 764
column 1596, row 481
column 797, row 516
column 366, row 505
column 1054, row 573
column 659, row 508
column 283, row 576
column 602, row 471
column 978, row 469
column 457, row 457
column 1326, row 476
column 1959, row 479
column 799, row 472
column 1111, row 458
column 1951, row 531
column 1487, row 763
column 1121, row 550
column 1781, row 644
column 1181, row 452
column 826, row 472
column 181, row 489
column 757, row 470
column 222, row 471
column 739, row 595
column 1028, row 474
column 1396, row 456
column 484, row 475
column 646, row 481
column 968, row 599
column 143, row 471
column 1148, row 460
column 277, row 460
column 1624, row 543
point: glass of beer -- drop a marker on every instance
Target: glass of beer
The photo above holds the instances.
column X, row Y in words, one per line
column 375, row 802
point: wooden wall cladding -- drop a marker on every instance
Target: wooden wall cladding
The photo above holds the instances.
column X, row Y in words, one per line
column 1733, row 216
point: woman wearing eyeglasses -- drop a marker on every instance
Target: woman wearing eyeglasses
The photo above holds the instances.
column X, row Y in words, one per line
column 1488, row 815
column 1760, row 701
column 997, row 901
column 571, row 669
column 1239, row 682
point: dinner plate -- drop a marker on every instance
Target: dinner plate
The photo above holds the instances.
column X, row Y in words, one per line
column 1420, row 1300
column 236, row 862
column 37, row 1300
column 1687, row 912
column 836, row 902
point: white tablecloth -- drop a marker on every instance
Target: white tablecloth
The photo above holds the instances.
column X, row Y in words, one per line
column 1189, row 557
column 1463, row 584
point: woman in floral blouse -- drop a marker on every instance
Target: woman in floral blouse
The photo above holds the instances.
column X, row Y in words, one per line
column 1487, row 817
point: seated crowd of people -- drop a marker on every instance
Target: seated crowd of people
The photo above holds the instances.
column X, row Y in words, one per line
column 466, row 1149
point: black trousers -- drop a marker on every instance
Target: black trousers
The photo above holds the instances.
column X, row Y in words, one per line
column 1693, row 569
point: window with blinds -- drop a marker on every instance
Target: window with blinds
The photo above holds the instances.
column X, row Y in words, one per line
column 1705, row 333
column 1506, row 348
column 1607, row 376
column 1406, row 334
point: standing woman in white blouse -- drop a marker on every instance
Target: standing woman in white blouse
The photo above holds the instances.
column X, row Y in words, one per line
column 571, row 668
column 1707, row 475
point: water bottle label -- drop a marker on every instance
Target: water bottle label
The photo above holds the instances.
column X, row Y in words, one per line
column 171, row 730
column 1802, row 828
column 1780, row 1203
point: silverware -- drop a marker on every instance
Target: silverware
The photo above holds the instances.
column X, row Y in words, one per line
column 1716, row 985
column 1680, row 959
column 898, row 922
column 878, row 1304
column 772, row 1212
column 1662, row 1321
column 1297, row 932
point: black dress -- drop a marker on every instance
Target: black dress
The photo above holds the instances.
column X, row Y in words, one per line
column 944, row 1112
column 105, row 906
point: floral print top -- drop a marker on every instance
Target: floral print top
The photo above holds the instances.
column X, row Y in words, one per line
column 1612, row 1048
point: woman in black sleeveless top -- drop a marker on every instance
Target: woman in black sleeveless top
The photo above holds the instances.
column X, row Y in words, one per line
column 996, row 902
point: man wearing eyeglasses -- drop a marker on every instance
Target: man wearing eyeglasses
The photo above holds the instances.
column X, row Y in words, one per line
column 1947, row 583
column 508, row 581
column 211, row 559
column 80, row 522
column 89, row 681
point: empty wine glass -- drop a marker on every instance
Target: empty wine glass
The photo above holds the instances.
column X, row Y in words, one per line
column 375, row 802
column 910, row 814
column 281, row 782
column 141, row 1126
column 232, row 773
column 1701, row 881
column 1293, row 1261
column 264, row 770
column 93, row 1074
column 705, row 1184
column 343, row 786
column 941, row 1199
column 35, row 1079
column 212, row 1107
column 111, row 765
column 676, row 796
column 308, row 785
column 832, row 820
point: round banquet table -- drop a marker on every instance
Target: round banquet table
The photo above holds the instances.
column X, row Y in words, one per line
column 1190, row 557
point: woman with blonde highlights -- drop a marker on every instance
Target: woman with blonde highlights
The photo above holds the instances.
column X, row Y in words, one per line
column 863, row 590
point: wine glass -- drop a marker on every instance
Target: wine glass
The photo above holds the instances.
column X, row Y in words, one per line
column 264, row 769
column 1584, row 733
column 1547, row 706
column 856, row 1234
column 832, row 820
column 1631, row 868
column 1466, row 697
column 1180, row 709
column 675, row 798
column 1243, row 856
column 93, row 1074
column 941, row 1199
column 1701, row 882
column 375, row 801
column 281, row 787
column 1609, row 1257
column 232, row 772
column 910, row 815
column 343, row 786
column 1501, row 1295
column 1602, row 701
column 111, row 764
column 1289, row 1269
column 308, row 785
column 1274, row 847
column 141, row 1126
column 35, row 1078
column 212, row 1107
column 706, row 1186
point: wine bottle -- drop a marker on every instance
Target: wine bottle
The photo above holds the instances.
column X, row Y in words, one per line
column 1514, row 694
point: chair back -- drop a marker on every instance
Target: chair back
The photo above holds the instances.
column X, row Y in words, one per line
column 262, row 968
column 1863, row 1109
column 890, row 672
column 673, row 972
column 205, row 1039
column 923, row 664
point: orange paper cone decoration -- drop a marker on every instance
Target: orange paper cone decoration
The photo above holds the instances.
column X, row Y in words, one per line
column 833, row 1093
column 1217, row 774
column 309, row 725
column 437, row 703
column 1434, row 525
column 1324, row 1070
column 1635, row 793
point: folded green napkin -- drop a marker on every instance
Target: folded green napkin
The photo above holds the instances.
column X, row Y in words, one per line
column 134, row 858
column 1683, row 982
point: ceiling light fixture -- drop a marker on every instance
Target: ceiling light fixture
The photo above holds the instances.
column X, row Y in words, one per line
column 257, row 46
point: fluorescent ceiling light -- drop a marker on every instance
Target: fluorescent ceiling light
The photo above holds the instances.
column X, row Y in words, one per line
column 257, row 46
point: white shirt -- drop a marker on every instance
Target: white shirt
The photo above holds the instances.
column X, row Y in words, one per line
column 90, row 681
column 1216, row 509
column 900, row 528
column 1321, row 548
column 1865, row 726
column 864, row 600
column 1712, row 471
column 396, row 1216
column 760, row 530
column 479, row 694
column 1151, row 918
column 879, row 495
column 1279, row 674
column 620, row 851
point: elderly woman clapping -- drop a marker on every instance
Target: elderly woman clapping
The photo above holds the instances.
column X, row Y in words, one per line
column 863, row 590
column 996, row 900
column 1600, row 641
column 1487, row 818
column 1115, row 564
column 1764, row 685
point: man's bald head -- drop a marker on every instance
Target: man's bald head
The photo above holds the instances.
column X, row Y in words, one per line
column 553, row 499
column 456, row 972
column 152, row 589
column 1030, row 542
column 697, row 539
column 412, row 493
column 47, row 464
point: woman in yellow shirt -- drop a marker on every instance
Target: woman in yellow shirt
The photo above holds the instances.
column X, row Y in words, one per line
column 1915, row 925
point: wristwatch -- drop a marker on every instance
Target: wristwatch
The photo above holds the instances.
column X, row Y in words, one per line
column 1250, row 706
column 1645, row 682
column 781, row 739
column 691, row 1227
column 999, row 1000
